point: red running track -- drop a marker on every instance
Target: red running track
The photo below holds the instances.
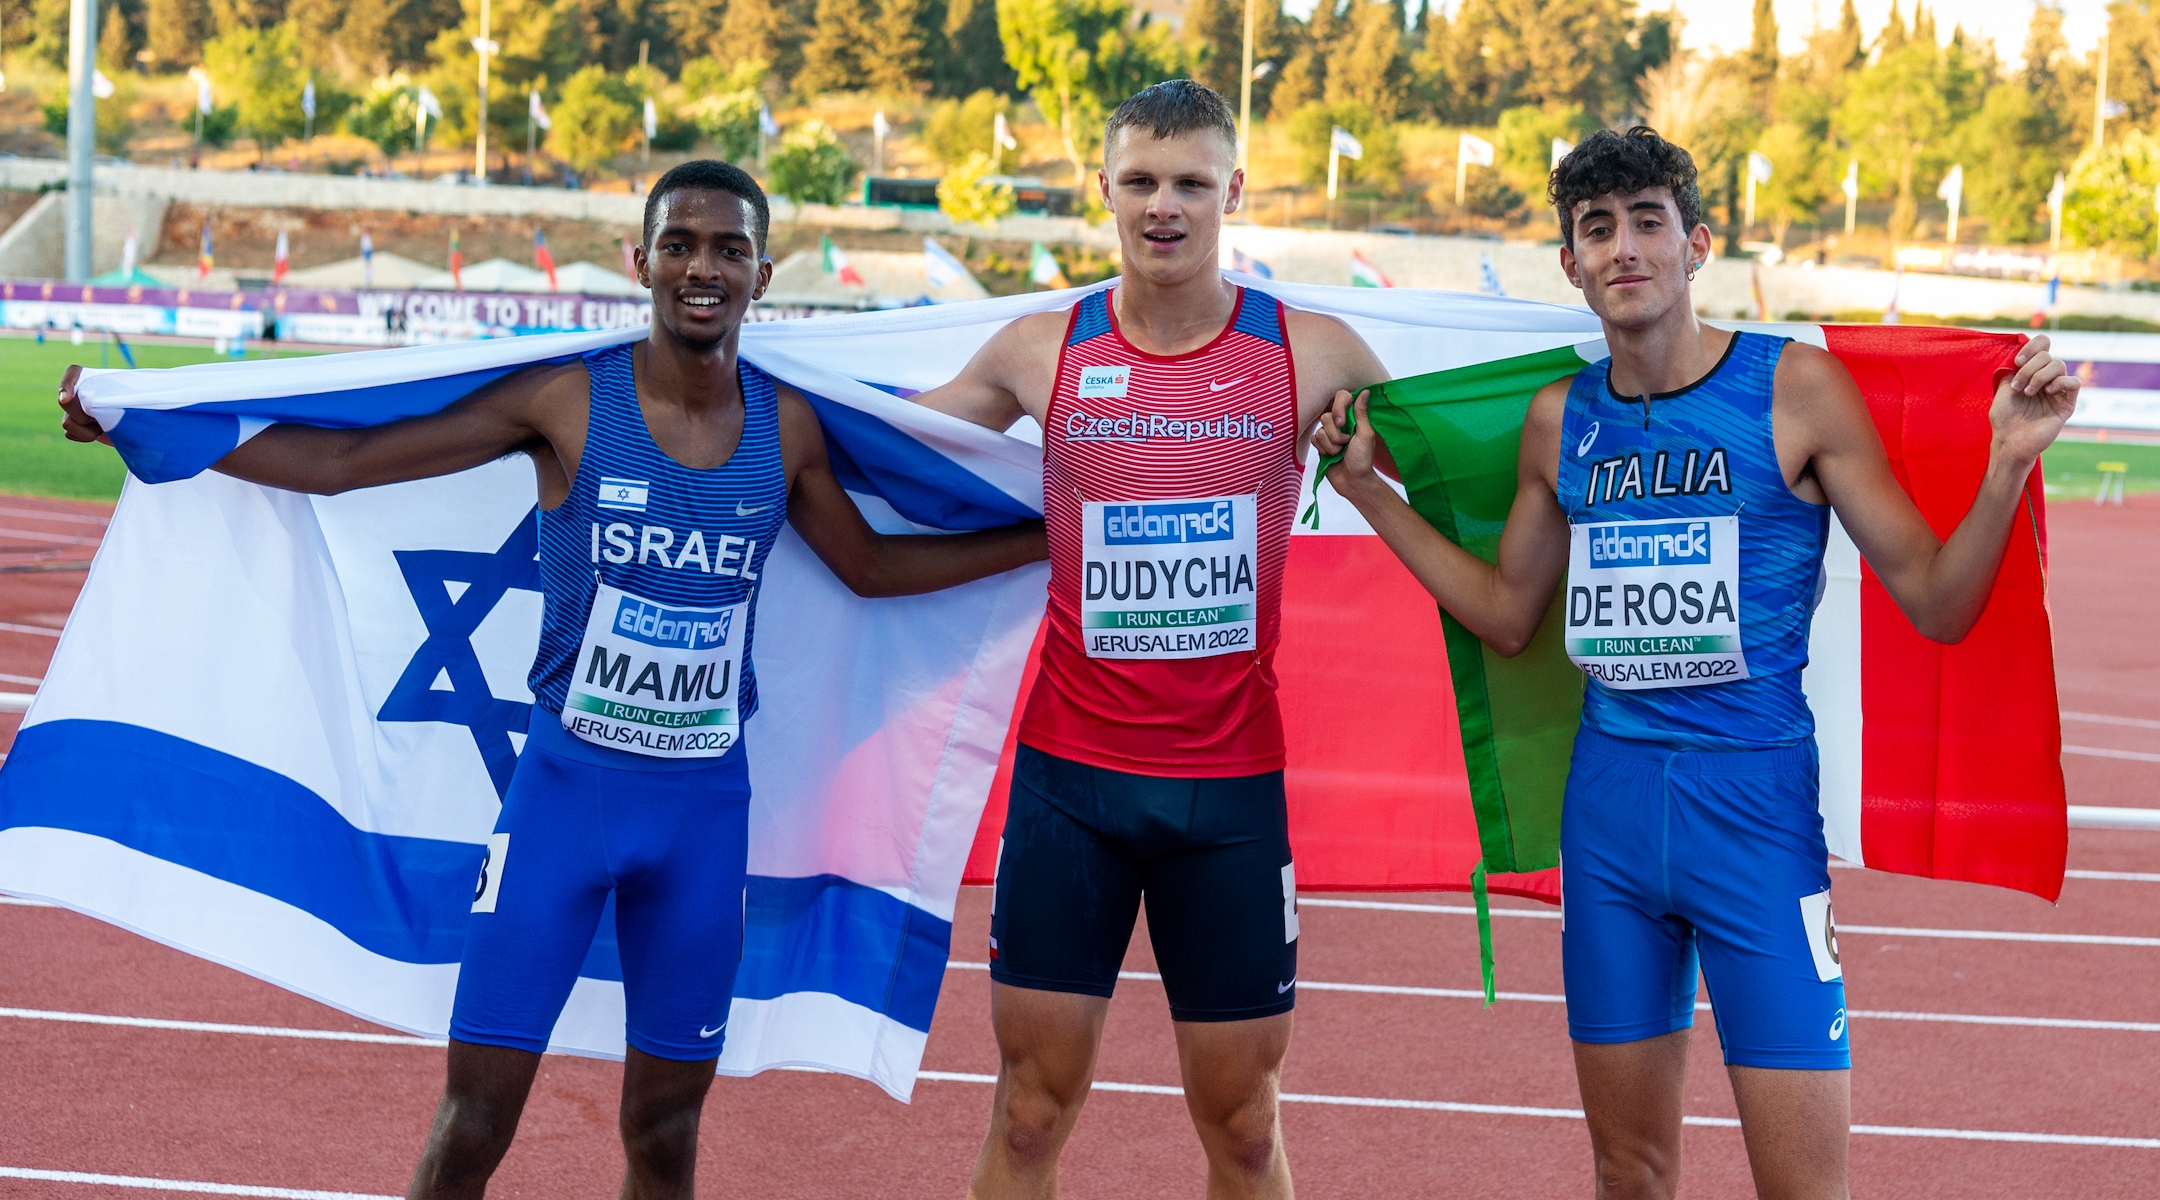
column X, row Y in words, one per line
column 275, row 1111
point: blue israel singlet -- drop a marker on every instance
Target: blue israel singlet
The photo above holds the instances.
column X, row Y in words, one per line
column 1657, row 505
column 643, row 523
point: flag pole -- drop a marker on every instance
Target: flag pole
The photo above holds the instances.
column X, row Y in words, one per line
column 1244, row 120
column 1462, row 173
column 81, row 134
column 1334, row 156
column 483, row 45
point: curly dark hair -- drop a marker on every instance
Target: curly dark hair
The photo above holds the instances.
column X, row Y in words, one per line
column 708, row 174
column 1635, row 161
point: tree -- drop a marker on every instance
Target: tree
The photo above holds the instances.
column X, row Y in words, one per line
column 767, row 31
column 2133, row 47
column 969, row 195
column 596, row 118
column 1526, row 137
column 50, row 42
column 969, row 57
column 811, row 167
column 1559, row 52
column 725, row 104
column 385, row 115
column 1078, row 60
column 1804, row 174
column 1215, row 45
column 956, row 131
column 896, row 61
column 176, row 29
column 833, row 58
column 1763, row 59
column 1893, row 115
column 116, row 39
column 1303, row 80
column 1365, row 63
column 260, row 70
column 2109, row 201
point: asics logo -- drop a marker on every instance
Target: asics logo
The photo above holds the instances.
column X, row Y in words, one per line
column 1837, row 1027
column 1217, row 387
column 706, row 1033
column 1589, row 439
column 740, row 511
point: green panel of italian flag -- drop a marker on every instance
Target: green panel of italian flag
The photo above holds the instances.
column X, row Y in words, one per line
column 1415, row 752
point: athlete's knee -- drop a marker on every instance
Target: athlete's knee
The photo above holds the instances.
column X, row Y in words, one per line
column 1639, row 1171
column 661, row 1138
column 1249, row 1137
column 1034, row 1116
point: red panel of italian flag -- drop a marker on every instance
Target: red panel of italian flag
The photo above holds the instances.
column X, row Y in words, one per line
column 1938, row 761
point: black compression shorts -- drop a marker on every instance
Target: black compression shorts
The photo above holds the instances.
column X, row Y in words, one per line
column 1084, row 844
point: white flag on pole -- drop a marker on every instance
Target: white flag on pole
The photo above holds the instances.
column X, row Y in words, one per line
column 1560, row 148
column 652, row 120
column 1851, row 186
column 307, row 99
column 1002, row 135
column 1345, row 143
column 537, row 111
column 101, row 87
column 1759, row 166
column 1952, row 187
column 1474, row 149
column 429, row 104
column 878, row 124
column 202, row 90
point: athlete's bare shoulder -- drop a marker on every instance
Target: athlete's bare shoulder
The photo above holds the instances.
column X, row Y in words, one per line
column 1815, row 403
column 1009, row 377
column 1541, row 431
column 1330, row 358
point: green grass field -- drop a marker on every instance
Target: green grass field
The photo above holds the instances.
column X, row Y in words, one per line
column 35, row 460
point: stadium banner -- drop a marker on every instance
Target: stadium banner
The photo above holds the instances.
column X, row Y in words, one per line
column 368, row 317
column 307, row 791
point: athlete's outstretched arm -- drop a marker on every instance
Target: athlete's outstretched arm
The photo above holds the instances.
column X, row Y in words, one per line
column 1010, row 377
column 883, row 564
column 1502, row 603
column 1942, row 585
column 480, row 428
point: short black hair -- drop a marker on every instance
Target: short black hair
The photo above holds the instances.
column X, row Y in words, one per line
column 709, row 174
column 1172, row 107
column 1635, row 161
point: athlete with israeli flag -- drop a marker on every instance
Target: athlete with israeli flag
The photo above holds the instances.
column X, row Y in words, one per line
column 665, row 469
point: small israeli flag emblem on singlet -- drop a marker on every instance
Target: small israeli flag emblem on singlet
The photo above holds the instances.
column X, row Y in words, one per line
column 628, row 495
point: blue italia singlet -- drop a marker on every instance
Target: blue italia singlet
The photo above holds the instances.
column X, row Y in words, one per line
column 1694, row 570
column 639, row 521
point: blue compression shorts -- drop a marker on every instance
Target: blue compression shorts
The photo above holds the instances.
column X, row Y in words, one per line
column 1667, row 855
column 672, row 845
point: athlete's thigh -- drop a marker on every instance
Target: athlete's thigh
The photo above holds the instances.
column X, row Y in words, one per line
column 1222, row 911
column 679, row 919
column 1067, row 893
column 537, row 903
column 1628, row 961
column 1229, row 1066
column 1757, row 888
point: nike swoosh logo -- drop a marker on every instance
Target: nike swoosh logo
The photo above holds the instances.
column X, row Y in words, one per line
column 1280, row 988
column 740, row 511
column 706, row 1033
column 1216, row 387
column 1583, row 447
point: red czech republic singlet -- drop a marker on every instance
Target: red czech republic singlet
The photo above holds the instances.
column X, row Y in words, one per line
column 1169, row 488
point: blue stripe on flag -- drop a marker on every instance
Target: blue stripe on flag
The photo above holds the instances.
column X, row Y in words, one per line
column 408, row 898
column 921, row 484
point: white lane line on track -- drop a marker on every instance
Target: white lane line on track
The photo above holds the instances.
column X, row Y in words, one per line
column 2128, row 876
column 2104, row 719
column 63, row 517
column 56, row 539
column 1974, row 935
column 2098, row 752
column 40, row 630
column 25, row 680
column 1575, row 1114
column 278, row 1031
column 148, row 1183
column 1383, row 989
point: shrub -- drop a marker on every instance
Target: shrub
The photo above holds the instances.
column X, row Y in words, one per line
column 811, row 166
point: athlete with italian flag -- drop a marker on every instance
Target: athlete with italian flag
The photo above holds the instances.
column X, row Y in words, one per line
column 1683, row 490
column 1175, row 409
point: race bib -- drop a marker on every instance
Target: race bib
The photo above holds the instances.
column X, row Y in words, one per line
column 659, row 680
column 1656, row 604
column 1168, row 578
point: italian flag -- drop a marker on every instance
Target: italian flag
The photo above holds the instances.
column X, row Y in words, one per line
column 1364, row 274
column 1418, row 756
column 835, row 262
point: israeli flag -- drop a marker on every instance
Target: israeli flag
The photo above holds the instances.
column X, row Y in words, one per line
column 278, row 727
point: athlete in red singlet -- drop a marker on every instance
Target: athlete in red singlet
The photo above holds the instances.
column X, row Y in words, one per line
column 1175, row 410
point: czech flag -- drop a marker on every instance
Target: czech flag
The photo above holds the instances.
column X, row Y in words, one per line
column 542, row 257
